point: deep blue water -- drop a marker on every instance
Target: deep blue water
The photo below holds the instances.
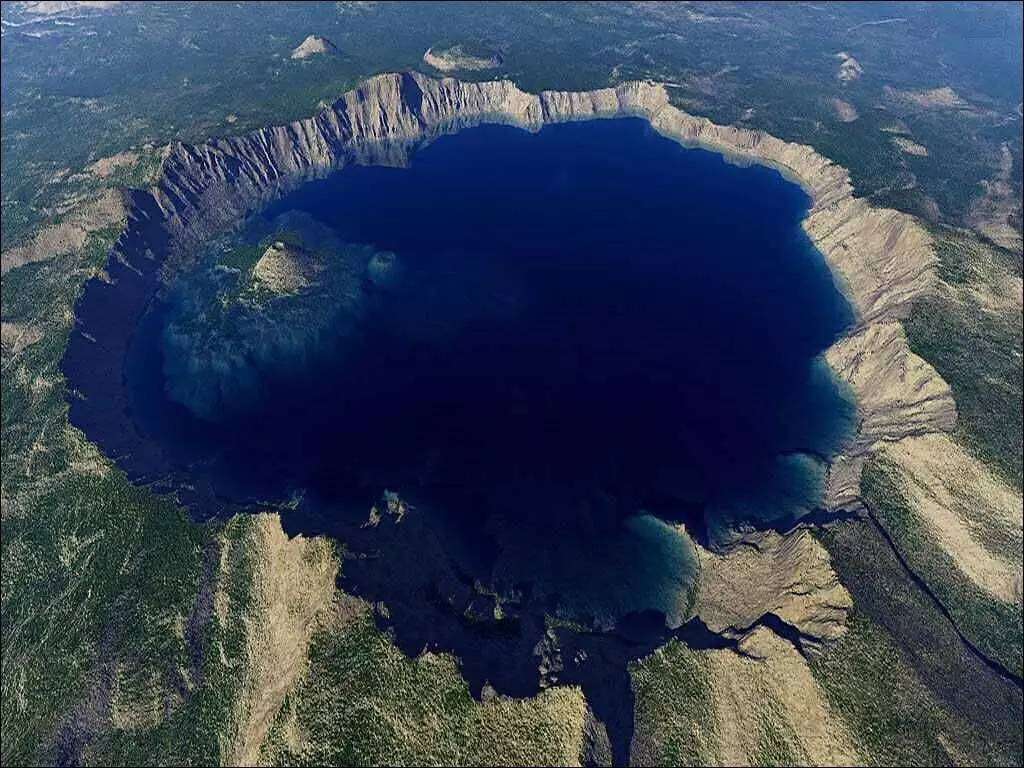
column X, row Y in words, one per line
column 589, row 308
column 589, row 323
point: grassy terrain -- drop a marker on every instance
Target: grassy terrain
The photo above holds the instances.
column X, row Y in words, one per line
column 94, row 568
column 198, row 725
column 776, row 740
column 364, row 702
column 243, row 258
column 701, row 707
column 977, row 350
column 997, row 628
column 893, row 717
column 913, row 693
column 675, row 708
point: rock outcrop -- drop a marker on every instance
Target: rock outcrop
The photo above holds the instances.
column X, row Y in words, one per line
column 314, row 45
column 845, row 111
column 789, row 577
column 456, row 58
column 849, row 68
column 898, row 395
column 286, row 269
column 909, row 146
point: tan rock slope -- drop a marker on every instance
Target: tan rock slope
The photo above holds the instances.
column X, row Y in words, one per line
column 899, row 395
column 455, row 58
column 70, row 233
column 845, row 111
column 973, row 514
column 313, row 45
column 910, row 147
column 772, row 681
column 292, row 590
column 991, row 212
column 788, row 576
column 285, row 269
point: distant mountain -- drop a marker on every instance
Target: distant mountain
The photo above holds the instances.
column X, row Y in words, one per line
column 314, row 45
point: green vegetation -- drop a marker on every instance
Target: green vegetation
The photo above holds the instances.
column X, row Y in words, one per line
column 685, row 696
column 901, row 677
column 995, row 627
column 977, row 349
column 95, row 569
column 775, row 744
column 198, row 728
column 675, row 708
column 363, row 702
column 892, row 716
column 242, row 257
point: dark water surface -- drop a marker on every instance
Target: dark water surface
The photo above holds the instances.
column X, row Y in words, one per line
column 589, row 323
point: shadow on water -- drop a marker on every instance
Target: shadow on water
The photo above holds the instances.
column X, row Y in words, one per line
column 552, row 347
